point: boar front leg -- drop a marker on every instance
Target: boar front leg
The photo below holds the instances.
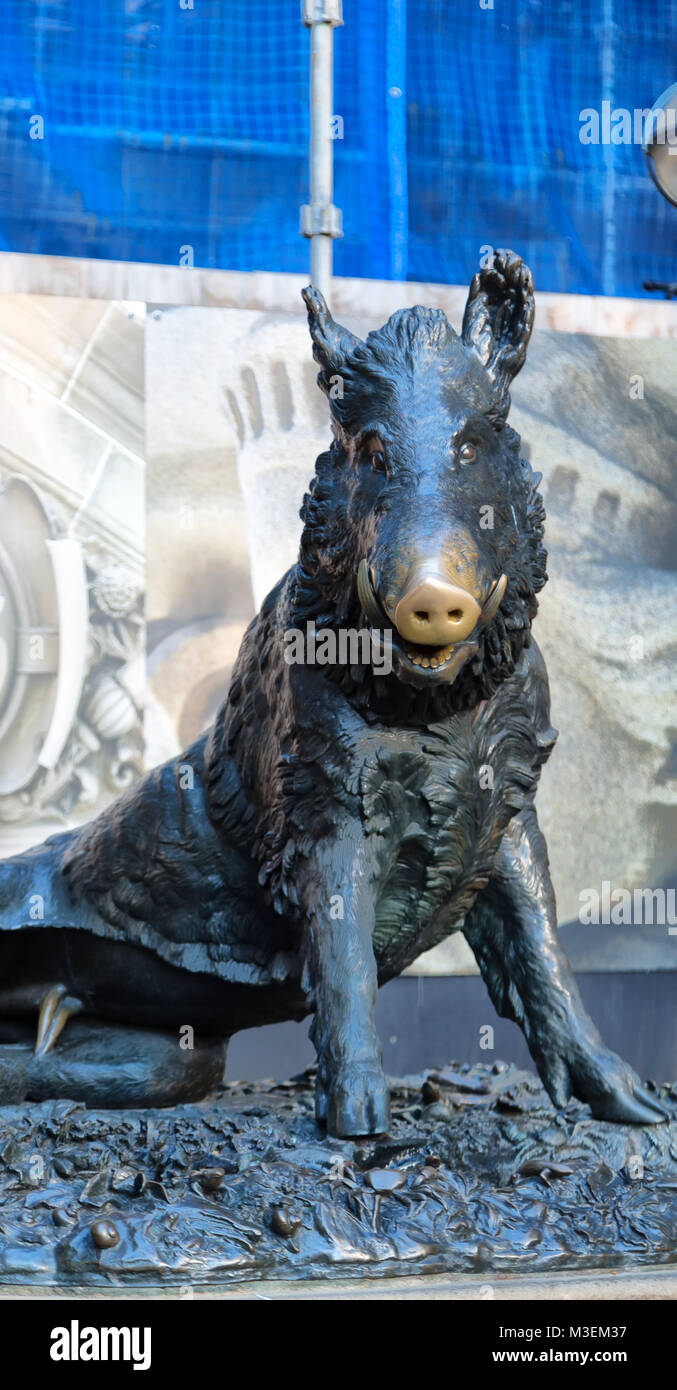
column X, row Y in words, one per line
column 338, row 895
column 512, row 929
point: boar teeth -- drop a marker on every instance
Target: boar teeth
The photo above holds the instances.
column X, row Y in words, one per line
column 441, row 655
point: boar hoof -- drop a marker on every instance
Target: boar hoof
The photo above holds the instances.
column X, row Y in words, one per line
column 358, row 1101
column 614, row 1091
column 321, row 1101
column 605, row 1082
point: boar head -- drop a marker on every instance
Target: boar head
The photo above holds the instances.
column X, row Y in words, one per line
column 423, row 519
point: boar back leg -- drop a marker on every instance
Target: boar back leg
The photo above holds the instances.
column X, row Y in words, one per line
column 110, row 1065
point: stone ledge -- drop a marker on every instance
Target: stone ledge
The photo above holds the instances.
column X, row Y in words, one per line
column 637, row 1285
column 23, row 273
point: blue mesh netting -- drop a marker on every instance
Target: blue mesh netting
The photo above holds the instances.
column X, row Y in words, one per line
column 167, row 127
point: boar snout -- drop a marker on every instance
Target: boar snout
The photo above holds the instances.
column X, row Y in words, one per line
column 435, row 613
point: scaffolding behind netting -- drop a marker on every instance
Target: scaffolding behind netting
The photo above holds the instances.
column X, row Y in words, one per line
column 180, row 135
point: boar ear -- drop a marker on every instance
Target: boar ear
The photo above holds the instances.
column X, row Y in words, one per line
column 332, row 344
column 498, row 319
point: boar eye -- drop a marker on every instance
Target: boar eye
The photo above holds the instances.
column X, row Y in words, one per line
column 468, row 453
column 376, row 456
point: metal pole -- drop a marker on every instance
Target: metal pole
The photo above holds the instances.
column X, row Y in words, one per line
column 320, row 220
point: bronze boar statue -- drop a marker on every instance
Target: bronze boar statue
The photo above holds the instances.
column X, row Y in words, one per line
column 349, row 810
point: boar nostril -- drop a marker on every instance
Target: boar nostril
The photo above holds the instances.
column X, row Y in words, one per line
column 434, row 612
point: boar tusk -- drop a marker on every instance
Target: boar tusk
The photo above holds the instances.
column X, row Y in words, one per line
column 365, row 592
column 494, row 600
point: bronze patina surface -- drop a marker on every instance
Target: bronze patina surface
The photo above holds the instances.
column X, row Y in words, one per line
column 344, row 813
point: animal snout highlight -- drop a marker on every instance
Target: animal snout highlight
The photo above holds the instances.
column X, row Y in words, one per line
column 435, row 613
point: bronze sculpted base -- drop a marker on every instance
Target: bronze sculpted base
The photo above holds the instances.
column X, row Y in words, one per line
column 478, row 1173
